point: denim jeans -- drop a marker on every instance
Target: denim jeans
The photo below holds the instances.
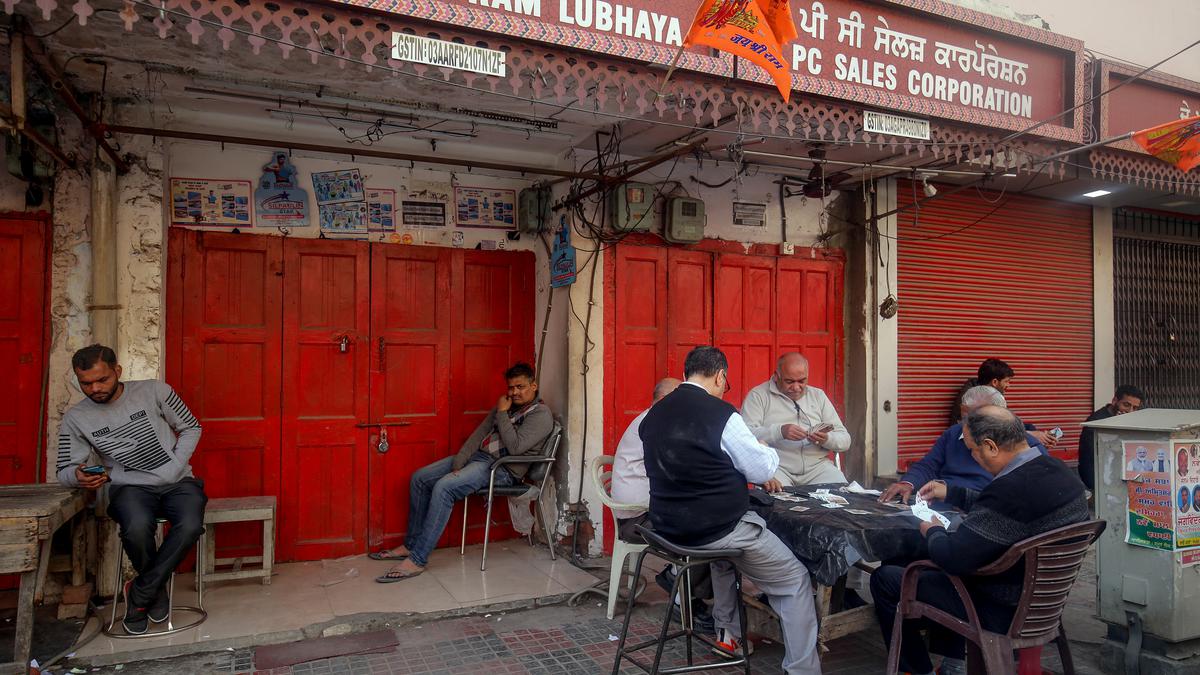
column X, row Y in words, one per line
column 135, row 508
column 432, row 493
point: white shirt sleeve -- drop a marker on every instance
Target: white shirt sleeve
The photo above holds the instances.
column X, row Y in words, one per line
column 757, row 462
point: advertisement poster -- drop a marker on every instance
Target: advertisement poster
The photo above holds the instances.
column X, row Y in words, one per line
column 562, row 260
column 485, row 207
column 1187, row 485
column 219, row 203
column 1147, row 474
column 345, row 218
column 279, row 201
column 381, row 210
column 334, row 187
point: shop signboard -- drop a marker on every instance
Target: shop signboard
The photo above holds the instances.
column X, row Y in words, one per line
column 939, row 60
column 1133, row 105
column 1162, row 480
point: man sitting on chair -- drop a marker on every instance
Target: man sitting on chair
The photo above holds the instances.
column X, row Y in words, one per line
column 1032, row 493
column 518, row 425
column 144, row 436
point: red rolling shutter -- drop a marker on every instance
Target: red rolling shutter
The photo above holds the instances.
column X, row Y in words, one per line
column 1016, row 286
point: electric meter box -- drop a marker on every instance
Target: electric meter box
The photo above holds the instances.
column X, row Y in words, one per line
column 1147, row 473
column 533, row 209
column 685, row 220
column 632, row 208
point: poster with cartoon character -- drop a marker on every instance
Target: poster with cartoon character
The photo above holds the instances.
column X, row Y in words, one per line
column 279, row 200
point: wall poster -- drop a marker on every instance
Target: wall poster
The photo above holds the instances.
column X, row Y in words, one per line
column 279, row 200
column 381, row 210
column 485, row 207
column 341, row 201
column 1147, row 475
column 211, row 202
column 1187, row 493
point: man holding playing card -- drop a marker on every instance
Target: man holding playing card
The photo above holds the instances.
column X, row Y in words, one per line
column 800, row 422
column 1031, row 493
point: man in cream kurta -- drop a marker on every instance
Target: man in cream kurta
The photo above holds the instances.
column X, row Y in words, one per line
column 799, row 421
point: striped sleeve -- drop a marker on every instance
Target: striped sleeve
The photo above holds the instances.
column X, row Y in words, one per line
column 182, row 421
column 73, row 450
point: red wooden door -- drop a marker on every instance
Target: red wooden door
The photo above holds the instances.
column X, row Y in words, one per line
column 689, row 310
column 745, row 320
column 640, row 319
column 22, row 345
column 809, row 320
column 492, row 321
column 410, row 380
column 326, row 348
column 225, row 297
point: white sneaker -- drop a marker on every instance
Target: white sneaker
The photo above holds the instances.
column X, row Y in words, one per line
column 730, row 646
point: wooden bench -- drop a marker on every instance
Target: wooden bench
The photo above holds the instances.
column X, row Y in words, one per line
column 236, row 510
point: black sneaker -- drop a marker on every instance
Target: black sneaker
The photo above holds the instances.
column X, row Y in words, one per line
column 160, row 609
column 136, row 621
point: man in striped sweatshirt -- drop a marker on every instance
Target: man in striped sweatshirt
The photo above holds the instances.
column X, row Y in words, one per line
column 143, row 435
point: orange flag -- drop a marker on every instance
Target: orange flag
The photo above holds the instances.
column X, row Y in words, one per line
column 1175, row 142
column 740, row 27
column 779, row 17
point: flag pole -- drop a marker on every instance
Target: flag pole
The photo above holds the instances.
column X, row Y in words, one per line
column 670, row 71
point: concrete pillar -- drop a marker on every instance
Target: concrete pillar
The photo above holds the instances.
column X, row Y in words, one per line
column 1103, row 312
column 886, row 332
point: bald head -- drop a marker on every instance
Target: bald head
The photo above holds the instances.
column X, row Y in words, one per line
column 791, row 375
column 664, row 387
column 995, row 436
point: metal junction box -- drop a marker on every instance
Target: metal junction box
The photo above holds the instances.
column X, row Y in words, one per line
column 1147, row 479
column 685, row 220
column 632, row 208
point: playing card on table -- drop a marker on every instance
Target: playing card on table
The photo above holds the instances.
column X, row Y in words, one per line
column 799, row 508
column 831, row 506
column 858, row 512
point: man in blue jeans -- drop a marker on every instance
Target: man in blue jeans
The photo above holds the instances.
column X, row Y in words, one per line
column 518, row 425
column 144, row 437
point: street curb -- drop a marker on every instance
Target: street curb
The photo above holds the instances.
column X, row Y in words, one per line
column 342, row 625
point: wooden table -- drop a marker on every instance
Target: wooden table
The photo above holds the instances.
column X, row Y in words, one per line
column 29, row 517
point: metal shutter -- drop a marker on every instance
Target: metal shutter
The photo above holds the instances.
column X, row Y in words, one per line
column 1017, row 286
column 1156, row 277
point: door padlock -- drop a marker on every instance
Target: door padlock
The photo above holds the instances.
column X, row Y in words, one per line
column 383, row 441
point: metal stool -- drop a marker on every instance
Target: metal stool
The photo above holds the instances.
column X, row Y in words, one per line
column 171, row 628
column 684, row 559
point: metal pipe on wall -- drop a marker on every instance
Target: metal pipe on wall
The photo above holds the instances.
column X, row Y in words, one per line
column 103, row 308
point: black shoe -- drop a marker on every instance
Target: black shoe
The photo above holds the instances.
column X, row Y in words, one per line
column 160, row 609
column 136, row 620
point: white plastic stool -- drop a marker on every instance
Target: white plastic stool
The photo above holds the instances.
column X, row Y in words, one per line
column 171, row 627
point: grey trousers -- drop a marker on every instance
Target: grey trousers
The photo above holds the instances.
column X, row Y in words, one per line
column 773, row 568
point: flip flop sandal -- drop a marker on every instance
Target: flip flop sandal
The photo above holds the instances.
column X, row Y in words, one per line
column 386, row 555
column 394, row 576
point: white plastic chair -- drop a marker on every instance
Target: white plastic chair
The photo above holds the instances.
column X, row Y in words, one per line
column 602, row 480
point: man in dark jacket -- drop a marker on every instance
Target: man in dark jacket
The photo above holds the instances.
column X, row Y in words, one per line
column 1032, row 493
column 699, row 456
column 518, row 425
column 1127, row 399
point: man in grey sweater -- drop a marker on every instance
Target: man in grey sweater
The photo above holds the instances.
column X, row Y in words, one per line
column 799, row 421
column 144, row 437
column 518, row 425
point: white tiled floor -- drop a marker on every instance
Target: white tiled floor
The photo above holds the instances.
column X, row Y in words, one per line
column 308, row 593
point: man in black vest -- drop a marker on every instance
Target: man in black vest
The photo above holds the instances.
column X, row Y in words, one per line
column 699, row 456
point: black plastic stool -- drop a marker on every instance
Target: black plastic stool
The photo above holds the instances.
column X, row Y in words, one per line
column 684, row 559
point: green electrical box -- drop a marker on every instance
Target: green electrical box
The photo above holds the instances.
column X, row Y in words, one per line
column 632, row 208
column 685, row 220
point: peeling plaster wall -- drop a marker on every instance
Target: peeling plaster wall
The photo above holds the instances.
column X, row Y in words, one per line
column 70, row 289
column 140, row 262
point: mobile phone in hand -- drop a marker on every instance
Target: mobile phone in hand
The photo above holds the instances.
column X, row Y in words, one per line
column 93, row 470
column 1056, row 433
